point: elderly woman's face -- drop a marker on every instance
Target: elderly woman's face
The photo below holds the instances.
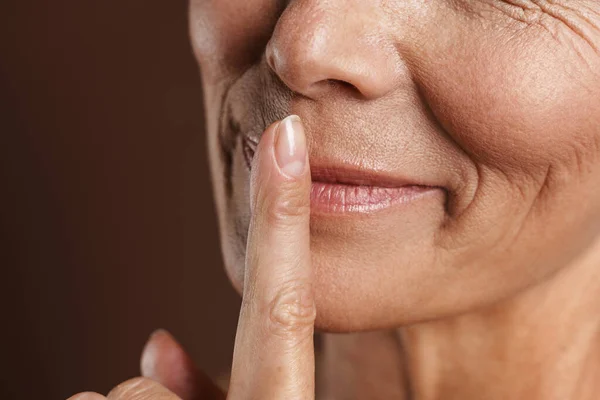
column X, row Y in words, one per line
column 480, row 117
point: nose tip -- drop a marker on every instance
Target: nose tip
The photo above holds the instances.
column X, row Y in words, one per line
column 313, row 58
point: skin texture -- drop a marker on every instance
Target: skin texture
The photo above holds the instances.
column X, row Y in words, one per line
column 494, row 101
column 490, row 287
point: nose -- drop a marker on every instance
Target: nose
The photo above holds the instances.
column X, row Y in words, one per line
column 317, row 45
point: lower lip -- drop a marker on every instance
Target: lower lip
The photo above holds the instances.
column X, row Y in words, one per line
column 335, row 198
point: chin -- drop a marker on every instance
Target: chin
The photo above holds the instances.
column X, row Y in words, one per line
column 392, row 267
column 376, row 269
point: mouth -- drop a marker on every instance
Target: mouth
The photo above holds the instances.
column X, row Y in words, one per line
column 344, row 189
column 340, row 189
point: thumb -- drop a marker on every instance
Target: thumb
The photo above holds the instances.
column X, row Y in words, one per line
column 164, row 360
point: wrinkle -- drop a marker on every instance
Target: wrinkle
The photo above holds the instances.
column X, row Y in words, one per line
column 540, row 194
column 581, row 20
column 572, row 18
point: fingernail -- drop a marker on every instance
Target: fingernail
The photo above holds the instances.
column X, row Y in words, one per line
column 148, row 359
column 157, row 332
column 290, row 146
column 87, row 396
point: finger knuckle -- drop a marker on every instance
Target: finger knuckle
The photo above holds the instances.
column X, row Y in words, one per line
column 134, row 389
column 292, row 311
column 285, row 207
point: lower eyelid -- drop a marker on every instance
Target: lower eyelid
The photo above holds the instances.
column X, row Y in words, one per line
column 500, row 11
column 582, row 21
column 519, row 10
column 574, row 19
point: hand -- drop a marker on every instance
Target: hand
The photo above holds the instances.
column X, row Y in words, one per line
column 274, row 351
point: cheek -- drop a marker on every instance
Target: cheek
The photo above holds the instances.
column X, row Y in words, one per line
column 526, row 111
column 517, row 105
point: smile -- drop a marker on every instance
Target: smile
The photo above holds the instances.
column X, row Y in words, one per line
column 339, row 189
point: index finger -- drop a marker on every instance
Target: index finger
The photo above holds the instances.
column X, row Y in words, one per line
column 274, row 351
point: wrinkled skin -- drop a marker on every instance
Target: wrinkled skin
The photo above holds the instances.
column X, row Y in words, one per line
column 487, row 289
column 496, row 101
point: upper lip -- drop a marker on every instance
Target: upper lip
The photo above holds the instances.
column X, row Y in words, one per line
column 345, row 174
column 331, row 171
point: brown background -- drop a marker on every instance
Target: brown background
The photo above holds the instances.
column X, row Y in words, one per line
column 106, row 217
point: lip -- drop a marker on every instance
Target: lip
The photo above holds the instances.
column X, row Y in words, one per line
column 328, row 198
column 343, row 189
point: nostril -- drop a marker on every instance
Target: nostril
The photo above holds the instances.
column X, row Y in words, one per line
column 341, row 85
column 339, row 82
